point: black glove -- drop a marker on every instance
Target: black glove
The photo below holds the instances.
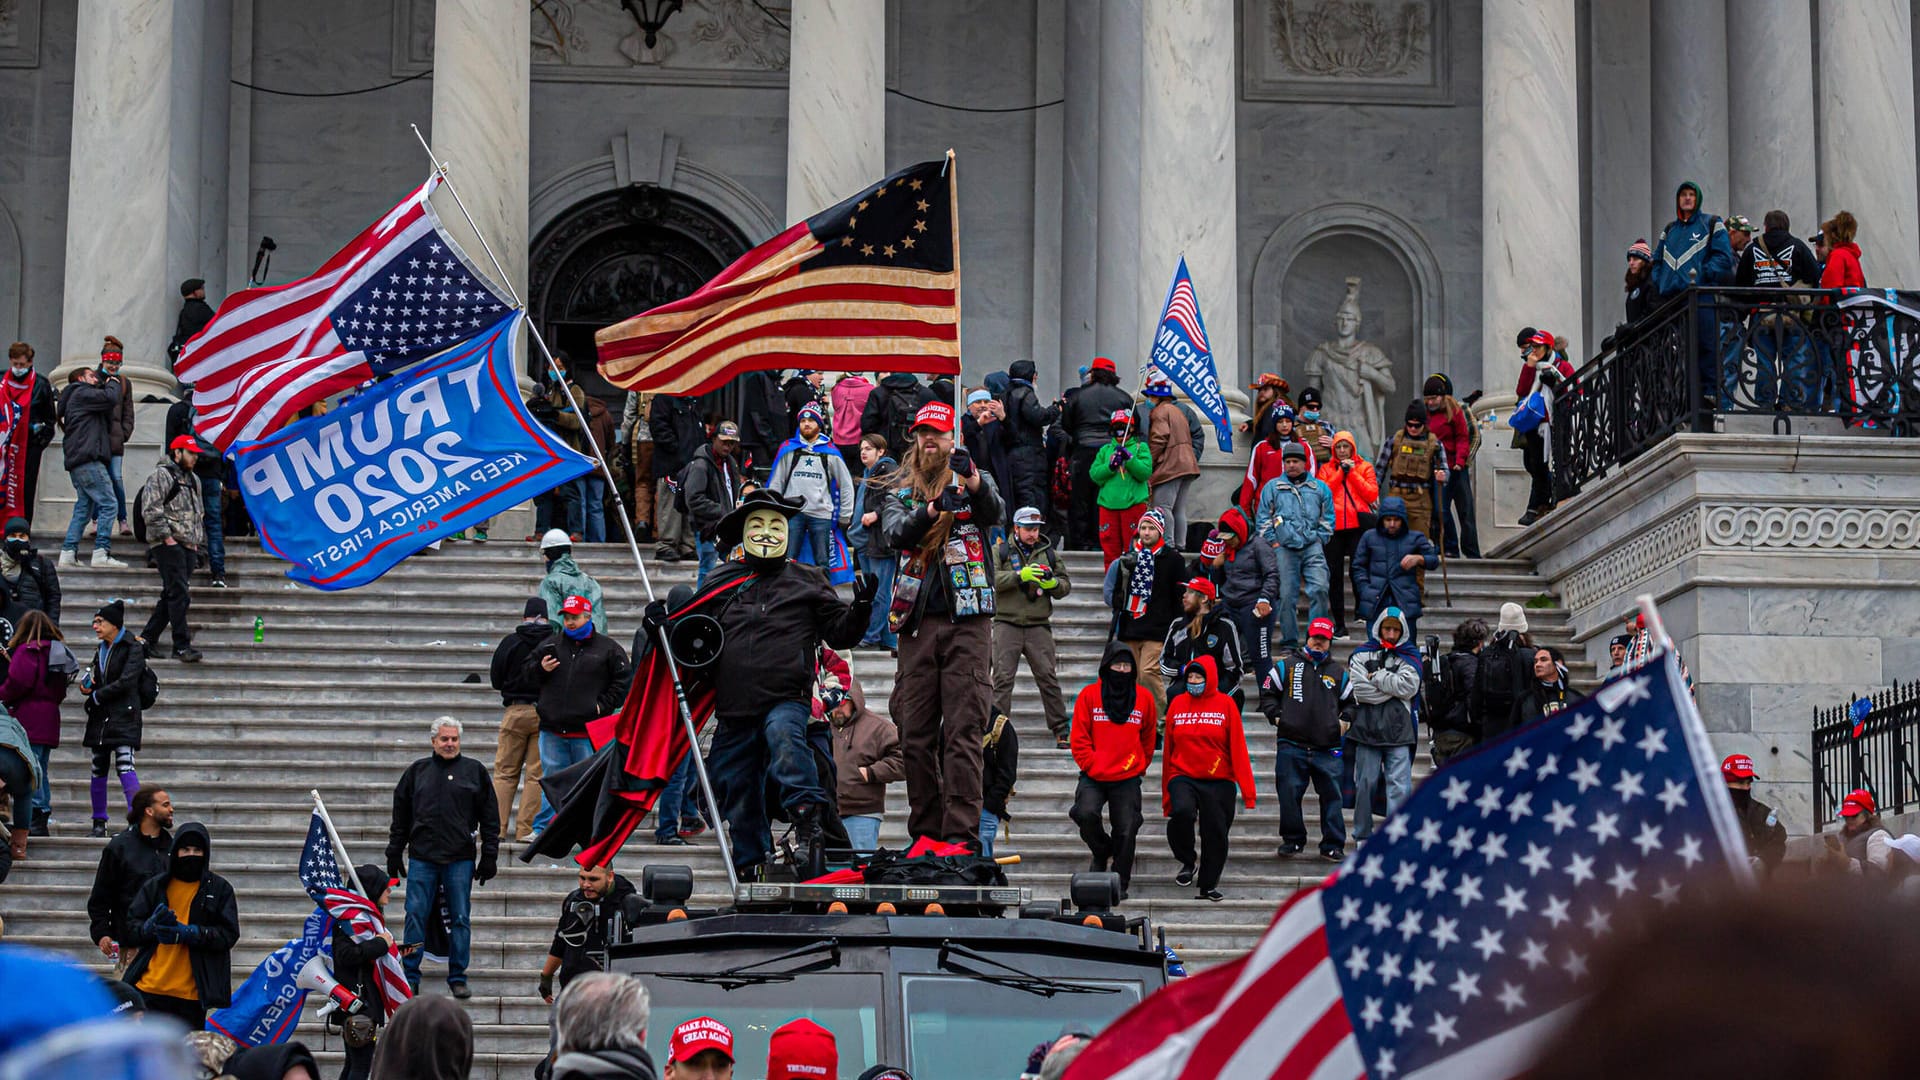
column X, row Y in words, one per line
column 393, row 870
column 865, row 587
column 1346, row 466
column 960, row 461
column 546, row 986
column 952, row 500
column 489, row 866
column 653, row 617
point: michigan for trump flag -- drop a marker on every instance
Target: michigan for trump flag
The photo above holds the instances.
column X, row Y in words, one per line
column 1181, row 353
column 1460, row 936
column 872, row 284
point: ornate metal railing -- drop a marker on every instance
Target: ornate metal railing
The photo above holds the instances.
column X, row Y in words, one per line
column 1852, row 354
column 1876, row 747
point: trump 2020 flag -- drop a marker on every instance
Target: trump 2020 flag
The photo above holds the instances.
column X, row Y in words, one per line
column 266, row 1008
column 1461, row 935
column 345, row 496
column 1181, row 353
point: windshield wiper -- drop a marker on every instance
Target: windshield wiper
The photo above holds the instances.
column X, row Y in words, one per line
column 734, row 978
column 1015, row 979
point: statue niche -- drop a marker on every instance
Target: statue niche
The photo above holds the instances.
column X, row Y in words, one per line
column 1355, row 377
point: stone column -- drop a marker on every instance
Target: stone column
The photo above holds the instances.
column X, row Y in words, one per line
column 481, row 53
column 1530, row 176
column 1619, row 123
column 116, row 264
column 1116, row 328
column 836, row 102
column 1187, row 172
column 1080, row 190
column 1689, row 51
column 1770, row 105
column 1867, row 132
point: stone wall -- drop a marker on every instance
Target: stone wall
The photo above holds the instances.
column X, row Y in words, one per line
column 1786, row 568
column 36, row 87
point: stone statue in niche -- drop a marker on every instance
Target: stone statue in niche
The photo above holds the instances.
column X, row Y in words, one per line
column 1354, row 376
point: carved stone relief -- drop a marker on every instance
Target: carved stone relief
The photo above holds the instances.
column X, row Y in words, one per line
column 708, row 43
column 19, row 33
column 1345, row 50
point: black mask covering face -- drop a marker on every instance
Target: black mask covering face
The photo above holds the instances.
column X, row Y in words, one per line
column 18, row 547
column 188, row 867
column 1117, row 692
column 1742, row 797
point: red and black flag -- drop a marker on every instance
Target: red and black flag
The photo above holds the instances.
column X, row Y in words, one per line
column 872, row 284
column 598, row 803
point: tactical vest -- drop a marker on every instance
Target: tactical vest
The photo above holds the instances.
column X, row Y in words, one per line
column 1310, row 432
column 1412, row 464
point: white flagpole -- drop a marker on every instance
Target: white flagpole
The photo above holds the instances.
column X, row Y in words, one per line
column 633, row 545
column 339, row 849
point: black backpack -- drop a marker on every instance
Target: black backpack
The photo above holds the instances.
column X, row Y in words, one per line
column 149, row 687
column 139, row 521
column 1494, row 678
column 900, row 411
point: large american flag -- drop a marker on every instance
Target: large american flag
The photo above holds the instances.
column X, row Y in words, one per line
column 1459, row 936
column 872, row 284
column 400, row 292
column 320, row 875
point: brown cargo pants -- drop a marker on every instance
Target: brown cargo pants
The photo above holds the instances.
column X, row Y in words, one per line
column 942, row 700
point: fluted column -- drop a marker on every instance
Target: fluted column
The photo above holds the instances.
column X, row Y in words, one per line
column 1770, row 106
column 1530, row 177
column 1080, row 193
column 1116, row 330
column 481, row 53
column 116, row 278
column 1867, row 134
column 836, row 102
column 1689, row 50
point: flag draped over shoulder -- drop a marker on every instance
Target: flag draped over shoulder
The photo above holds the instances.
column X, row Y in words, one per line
column 1459, row 937
column 320, row 874
column 872, row 284
column 399, row 292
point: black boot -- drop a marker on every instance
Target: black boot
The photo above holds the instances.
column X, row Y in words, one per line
column 811, row 841
column 99, row 828
column 41, row 819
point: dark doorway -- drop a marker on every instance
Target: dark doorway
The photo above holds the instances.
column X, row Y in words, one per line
column 616, row 255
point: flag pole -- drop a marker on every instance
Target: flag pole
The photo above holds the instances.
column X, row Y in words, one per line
column 959, row 334
column 339, row 849
column 626, row 526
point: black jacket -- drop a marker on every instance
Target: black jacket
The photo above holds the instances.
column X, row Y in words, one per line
column 1305, row 700
column 37, row 587
column 763, row 417
column 987, row 443
column 1777, row 258
column 508, row 673
column 797, row 392
column 194, row 317
column 126, row 863
column 213, row 909
column 1163, row 605
column 1027, row 419
column 603, row 1065
column 902, row 528
column 436, row 807
column 1540, row 699
column 1249, row 574
column 1219, row 638
column 1001, row 762
column 1449, row 694
column 711, row 490
column 1089, row 414
column 574, row 940
column 86, row 415
column 677, row 432
column 353, row 968
column 1500, row 678
column 113, row 706
column 890, row 410
column 773, row 627
column 590, row 682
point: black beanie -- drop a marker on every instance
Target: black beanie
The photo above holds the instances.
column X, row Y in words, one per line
column 1437, row 385
column 1525, row 337
column 1417, row 410
column 114, row 611
column 373, row 878
column 536, row 607
column 15, row 525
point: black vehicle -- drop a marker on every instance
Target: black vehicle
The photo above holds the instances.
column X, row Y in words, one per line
column 949, row 996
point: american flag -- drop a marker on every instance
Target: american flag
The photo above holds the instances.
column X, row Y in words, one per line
column 873, row 284
column 400, row 292
column 1185, row 310
column 1461, row 934
column 320, row 875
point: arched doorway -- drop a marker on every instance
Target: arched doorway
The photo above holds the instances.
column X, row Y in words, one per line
column 618, row 254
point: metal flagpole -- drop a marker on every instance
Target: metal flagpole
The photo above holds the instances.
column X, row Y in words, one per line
column 633, row 545
column 952, row 171
column 339, row 849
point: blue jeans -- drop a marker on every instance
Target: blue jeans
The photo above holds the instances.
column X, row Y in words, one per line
column 119, row 489
column 882, row 567
column 43, row 795
column 216, row 527
column 863, row 831
column 709, row 558
column 744, row 757
column 989, row 828
column 679, row 802
column 557, row 753
column 1294, row 766
column 1369, row 762
column 425, row 880
column 594, row 507
column 1456, row 514
column 1308, row 567
column 92, row 500
column 819, row 534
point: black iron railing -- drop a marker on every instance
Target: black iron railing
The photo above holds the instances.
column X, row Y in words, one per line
column 1879, row 752
column 1782, row 353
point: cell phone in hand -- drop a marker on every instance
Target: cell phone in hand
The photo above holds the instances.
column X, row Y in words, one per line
column 411, row 947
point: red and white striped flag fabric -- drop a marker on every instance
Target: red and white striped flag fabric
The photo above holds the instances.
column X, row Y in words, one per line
column 365, row 923
column 400, row 292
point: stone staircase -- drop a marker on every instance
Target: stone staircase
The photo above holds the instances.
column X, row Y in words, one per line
column 339, row 695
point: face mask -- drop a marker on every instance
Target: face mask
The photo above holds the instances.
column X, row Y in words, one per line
column 579, row 633
column 1741, row 797
column 20, row 371
column 18, row 548
column 1196, row 688
column 1317, row 655
column 764, row 538
column 1311, row 414
column 188, row 867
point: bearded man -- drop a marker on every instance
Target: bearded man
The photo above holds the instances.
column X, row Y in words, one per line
column 935, row 519
column 774, row 614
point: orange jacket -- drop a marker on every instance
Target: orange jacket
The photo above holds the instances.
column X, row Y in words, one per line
column 1354, row 490
column 1204, row 738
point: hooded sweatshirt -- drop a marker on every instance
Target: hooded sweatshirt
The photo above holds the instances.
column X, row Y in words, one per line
column 206, row 905
column 1843, row 268
column 849, row 397
column 565, row 578
column 429, row 1038
column 1694, row 248
column 1104, row 748
column 1386, row 685
column 1247, row 574
column 1776, row 259
column 1204, row 738
column 814, row 472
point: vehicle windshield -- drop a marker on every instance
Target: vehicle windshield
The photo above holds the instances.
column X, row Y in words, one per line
column 960, row 1028
column 846, row 1005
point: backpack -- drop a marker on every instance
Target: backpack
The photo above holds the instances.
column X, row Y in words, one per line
column 1493, row 674
column 149, row 688
column 139, row 521
column 677, row 483
column 899, row 411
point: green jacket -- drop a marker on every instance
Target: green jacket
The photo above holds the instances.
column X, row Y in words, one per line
column 1127, row 486
column 565, row 578
column 1025, row 603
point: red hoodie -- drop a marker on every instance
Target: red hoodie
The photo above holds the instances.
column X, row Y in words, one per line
column 1843, row 268
column 1204, row 738
column 1107, row 750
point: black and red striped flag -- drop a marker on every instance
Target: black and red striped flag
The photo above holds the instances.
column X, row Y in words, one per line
column 872, row 284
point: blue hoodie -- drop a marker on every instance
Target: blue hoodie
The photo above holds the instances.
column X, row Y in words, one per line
column 1378, row 578
column 1692, row 250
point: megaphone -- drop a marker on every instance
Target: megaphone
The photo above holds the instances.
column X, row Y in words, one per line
column 314, row 975
column 695, row 639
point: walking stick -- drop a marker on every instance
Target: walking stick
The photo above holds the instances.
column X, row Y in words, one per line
column 1440, row 516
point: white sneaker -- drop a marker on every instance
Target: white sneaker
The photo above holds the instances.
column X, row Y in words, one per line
column 101, row 558
column 68, row 558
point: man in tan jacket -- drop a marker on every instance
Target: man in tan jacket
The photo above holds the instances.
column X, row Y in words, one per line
column 866, row 755
column 1170, row 441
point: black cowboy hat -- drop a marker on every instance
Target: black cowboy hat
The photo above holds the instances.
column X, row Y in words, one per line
column 731, row 526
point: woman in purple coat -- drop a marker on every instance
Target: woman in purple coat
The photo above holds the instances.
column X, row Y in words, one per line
column 34, row 685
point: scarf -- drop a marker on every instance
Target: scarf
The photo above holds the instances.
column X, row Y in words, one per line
column 579, row 633
column 16, row 423
column 1117, row 695
column 1140, row 587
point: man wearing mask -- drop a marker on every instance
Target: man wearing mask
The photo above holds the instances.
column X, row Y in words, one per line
column 1206, row 760
column 582, row 676
column 438, row 804
column 129, row 860
column 712, row 490
column 176, row 532
column 29, row 577
column 1306, row 696
column 1766, row 837
column 582, row 931
column 1028, row 576
column 209, row 469
column 1310, row 429
column 1088, row 420
column 1296, row 516
column 184, row 924
column 564, row 578
column 27, row 418
column 1115, row 725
